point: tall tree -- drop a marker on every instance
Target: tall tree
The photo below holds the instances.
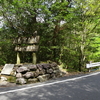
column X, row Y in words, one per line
column 82, row 30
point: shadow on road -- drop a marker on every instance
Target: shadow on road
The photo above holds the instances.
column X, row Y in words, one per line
column 82, row 89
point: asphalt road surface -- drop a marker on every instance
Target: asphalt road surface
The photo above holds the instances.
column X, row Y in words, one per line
column 84, row 87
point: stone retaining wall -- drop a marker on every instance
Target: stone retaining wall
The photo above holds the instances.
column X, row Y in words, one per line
column 29, row 73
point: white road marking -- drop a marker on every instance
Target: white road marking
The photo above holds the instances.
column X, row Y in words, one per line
column 67, row 80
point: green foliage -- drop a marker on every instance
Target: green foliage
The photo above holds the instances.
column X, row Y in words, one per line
column 69, row 31
column 12, row 79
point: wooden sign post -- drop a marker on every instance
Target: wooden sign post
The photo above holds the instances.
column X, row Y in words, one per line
column 30, row 45
column 18, row 58
column 34, row 58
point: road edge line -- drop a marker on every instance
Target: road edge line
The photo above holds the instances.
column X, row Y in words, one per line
column 44, row 84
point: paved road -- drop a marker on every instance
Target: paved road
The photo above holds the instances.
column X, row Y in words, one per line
column 77, row 88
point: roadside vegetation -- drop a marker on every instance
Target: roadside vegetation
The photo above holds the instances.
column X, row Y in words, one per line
column 69, row 31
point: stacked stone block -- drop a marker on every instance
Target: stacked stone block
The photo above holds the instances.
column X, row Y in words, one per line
column 31, row 73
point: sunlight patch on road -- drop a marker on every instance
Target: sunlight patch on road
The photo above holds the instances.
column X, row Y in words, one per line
column 48, row 84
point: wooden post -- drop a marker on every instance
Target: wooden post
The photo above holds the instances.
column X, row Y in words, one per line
column 18, row 58
column 34, row 57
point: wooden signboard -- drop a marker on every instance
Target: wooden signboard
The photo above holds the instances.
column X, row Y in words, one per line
column 30, row 45
column 26, row 40
column 29, row 48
